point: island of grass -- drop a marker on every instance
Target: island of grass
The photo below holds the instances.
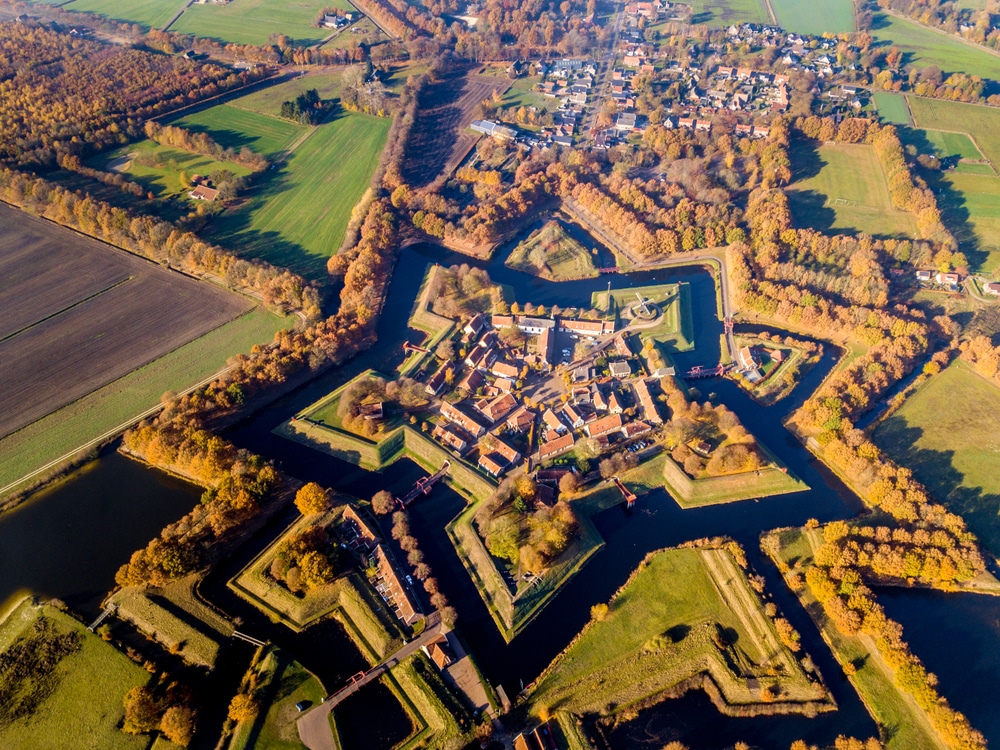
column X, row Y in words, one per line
column 685, row 619
column 903, row 722
column 842, row 186
column 952, row 450
column 348, row 598
column 671, row 331
column 57, row 677
column 551, row 253
column 783, row 363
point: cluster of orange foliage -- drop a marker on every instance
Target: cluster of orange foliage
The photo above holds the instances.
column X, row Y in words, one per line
column 65, row 95
column 203, row 143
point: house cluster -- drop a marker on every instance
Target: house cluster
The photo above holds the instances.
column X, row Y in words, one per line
column 492, row 424
column 571, row 82
column 337, row 21
column 950, row 281
column 362, row 540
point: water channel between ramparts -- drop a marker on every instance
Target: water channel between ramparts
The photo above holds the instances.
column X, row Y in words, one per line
column 70, row 539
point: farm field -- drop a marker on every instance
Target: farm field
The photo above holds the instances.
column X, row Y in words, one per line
column 233, row 127
column 842, row 186
column 267, row 100
column 659, row 630
column 256, row 21
column 297, row 216
column 102, row 331
column 362, row 32
column 83, row 689
column 724, row 12
column 440, row 137
column 981, row 123
column 802, row 17
column 550, row 253
column 975, row 200
column 955, row 452
column 892, row 108
column 922, row 47
column 150, row 14
column 78, row 423
column 158, row 168
column 953, row 144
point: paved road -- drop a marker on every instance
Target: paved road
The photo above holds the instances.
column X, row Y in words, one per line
column 314, row 724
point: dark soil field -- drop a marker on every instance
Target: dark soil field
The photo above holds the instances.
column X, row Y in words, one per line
column 78, row 314
column 440, row 137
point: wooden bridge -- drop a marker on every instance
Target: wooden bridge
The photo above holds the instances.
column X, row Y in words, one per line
column 423, row 485
column 409, row 348
column 626, row 492
column 698, row 371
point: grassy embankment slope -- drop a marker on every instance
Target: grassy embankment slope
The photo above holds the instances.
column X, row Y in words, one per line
column 905, row 725
column 946, row 432
column 78, row 703
column 807, row 17
column 841, row 186
column 550, row 253
column 257, row 21
column 663, row 629
column 83, row 420
column 295, row 216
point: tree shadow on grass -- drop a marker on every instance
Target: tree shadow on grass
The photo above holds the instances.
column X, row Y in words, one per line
column 805, row 158
column 809, row 209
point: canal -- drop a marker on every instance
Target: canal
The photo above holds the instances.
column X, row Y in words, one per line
column 70, row 539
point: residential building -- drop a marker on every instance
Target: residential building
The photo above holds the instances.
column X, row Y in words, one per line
column 451, row 436
column 620, row 369
column 556, row 447
column 948, row 279
column 504, row 370
column 472, row 381
column 590, row 328
column 552, row 421
column 634, row 429
column 496, row 409
column 520, row 420
column 646, row 401
column 391, row 588
column 463, row 420
column 992, row 287
column 747, row 358
column 604, row 426
column 356, row 532
column 437, row 381
column 572, row 417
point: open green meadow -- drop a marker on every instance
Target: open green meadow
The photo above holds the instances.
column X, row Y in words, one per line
column 922, row 46
column 550, row 253
column 663, row 627
column 892, row 108
column 257, row 21
column 724, row 12
column 233, row 127
column 267, row 100
column 981, row 123
column 842, row 186
column 158, row 168
column 150, row 14
column 520, row 94
column 805, row 17
column 81, row 421
column 946, row 432
column 953, row 144
column 975, row 200
column 297, row 216
column 76, row 702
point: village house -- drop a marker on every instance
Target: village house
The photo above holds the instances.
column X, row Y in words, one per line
column 992, row 287
column 357, row 533
column 520, row 420
column 614, row 405
column 439, row 652
column 747, row 358
column 572, row 417
column 504, row 370
column 496, row 409
column 472, row 381
column 552, row 421
column 620, row 369
column 591, row 328
column 437, row 381
column 556, row 447
column 621, row 347
column 634, row 429
column 599, row 401
column 504, row 385
column 604, row 426
column 451, row 436
column 204, row 193
column 646, row 401
column 924, row 275
column 463, row 420
column 948, row 279
column 391, row 589
column 475, row 326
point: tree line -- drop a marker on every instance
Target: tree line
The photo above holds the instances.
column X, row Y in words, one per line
column 204, row 144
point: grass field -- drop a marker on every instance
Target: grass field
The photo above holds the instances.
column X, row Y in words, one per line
column 78, row 703
column 267, row 100
column 363, row 32
column 905, row 725
column 954, row 451
column 661, row 629
column 981, row 123
column 520, row 94
column 804, row 17
column 257, row 21
column 234, row 127
column 953, row 144
column 922, row 46
column 892, row 108
column 297, row 218
column 725, row 12
column 150, row 14
column 552, row 254
column 162, row 177
column 81, row 421
column 976, row 198
column 842, row 186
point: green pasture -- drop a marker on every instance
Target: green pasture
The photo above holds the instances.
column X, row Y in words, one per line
column 817, row 18
column 267, row 100
column 366, row 33
column 892, row 108
column 163, row 178
column 233, row 127
column 296, row 217
column 258, row 21
column 75, row 424
column 842, row 186
column 552, row 254
column 953, row 144
column 520, row 94
column 78, row 702
column 922, row 46
column 971, row 209
column 725, row 12
column 150, row 14
column 946, row 433
column 981, row 123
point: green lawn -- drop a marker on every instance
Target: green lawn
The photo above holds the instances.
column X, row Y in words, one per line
column 297, row 216
column 147, row 13
column 971, row 209
column 162, row 177
column 75, row 424
column 982, row 123
column 953, row 144
column 808, row 17
column 233, row 127
column 946, row 432
column 725, row 12
column 842, row 186
column 660, row 630
column 79, row 701
column 552, row 254
column 922, row 46
column 674, row 332
column 892, row 108
column 257, row 21
column 520, row 94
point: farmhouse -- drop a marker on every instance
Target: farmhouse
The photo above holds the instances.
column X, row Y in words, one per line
column 494, row 130
column 439, row 652
column 204, row 193
column 992, row 287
